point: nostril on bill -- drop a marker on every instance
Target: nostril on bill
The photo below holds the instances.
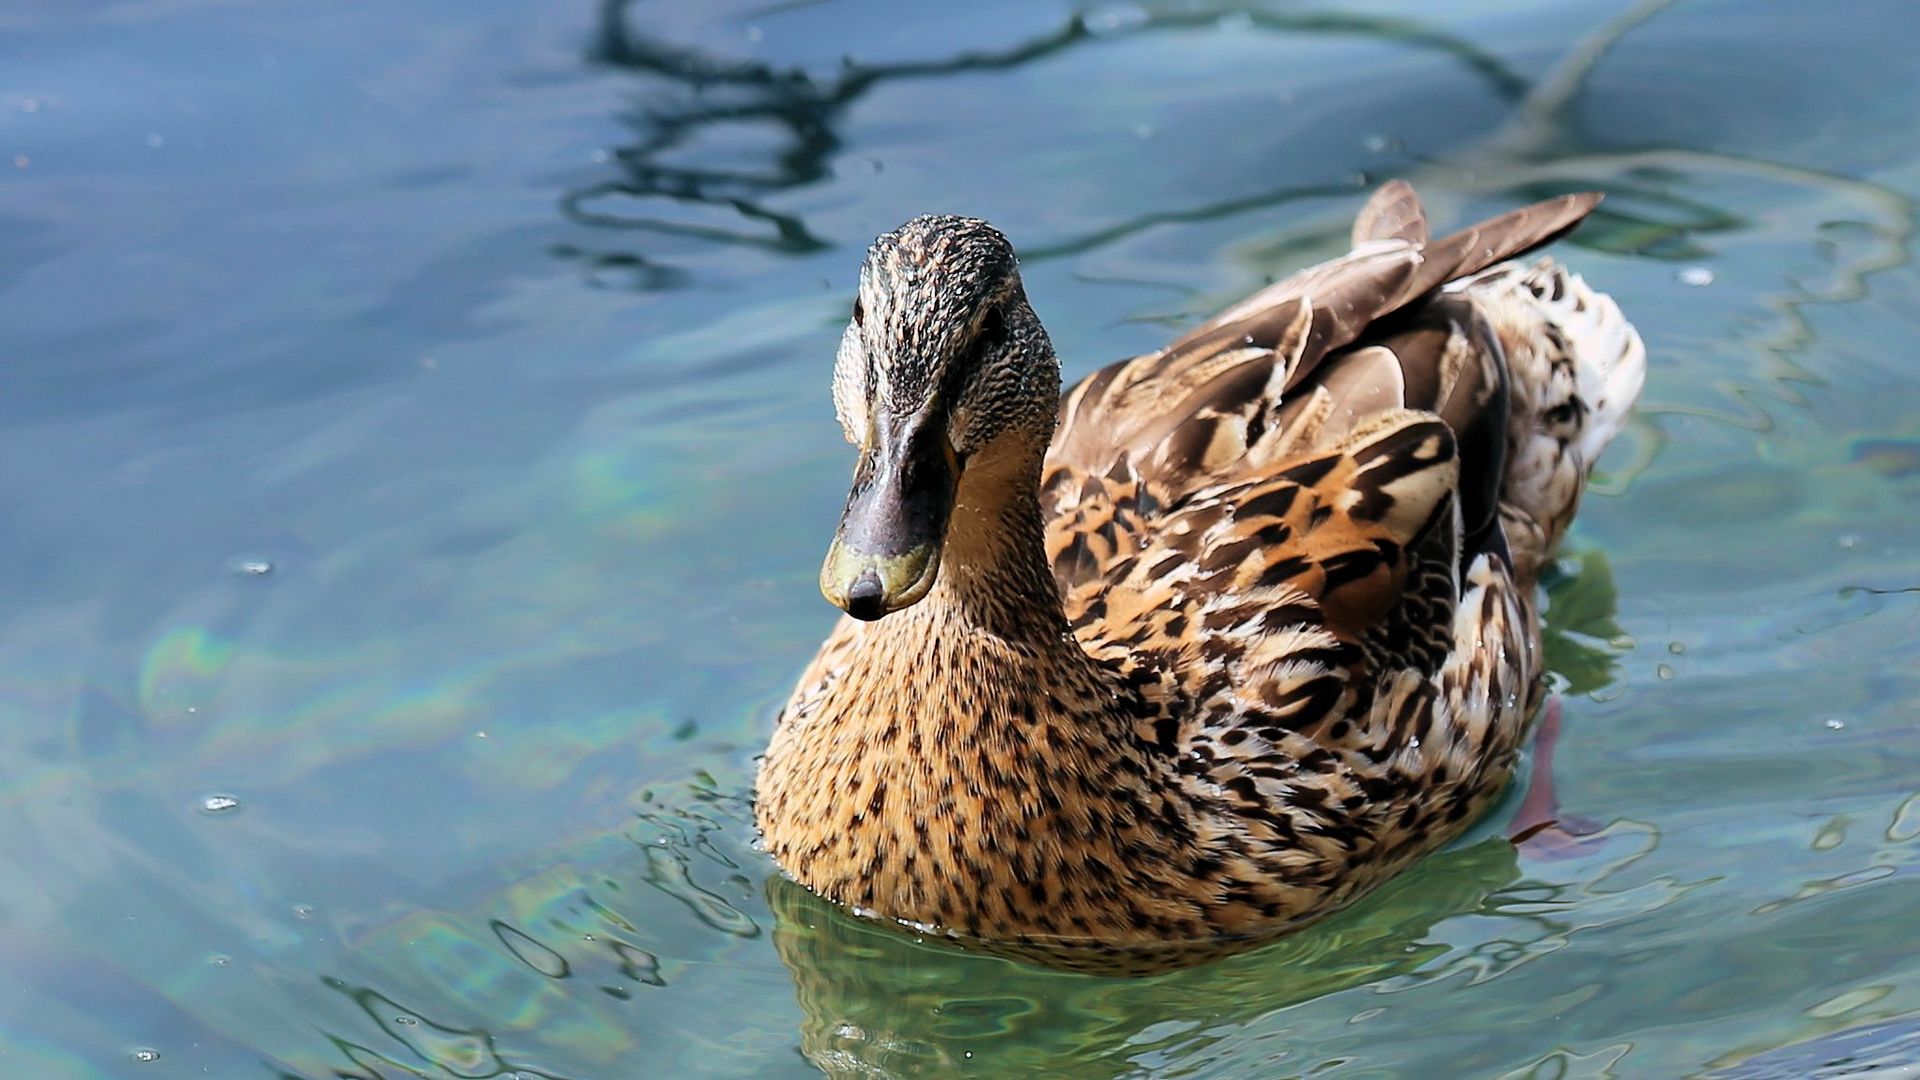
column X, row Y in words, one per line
column 864, row 598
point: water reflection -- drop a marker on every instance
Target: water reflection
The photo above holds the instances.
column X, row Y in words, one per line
column 1657, row 208
column 504, row 593
column 691, row 92
column 879, row 1003
column 572, row 962
column 460, row 1051
column 1886, row 1049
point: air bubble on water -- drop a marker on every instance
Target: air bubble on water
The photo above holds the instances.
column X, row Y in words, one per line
column 1848, row 541
column 144, row 1054
column 1663, row 671
column 1695, row 276
column 406, row 1020
column 1834, row 723
column 219, row 960
column 219, row 804
column 1676, row 647
column 1113, row 19
column 303, row 911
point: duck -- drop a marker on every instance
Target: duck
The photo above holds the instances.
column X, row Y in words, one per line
column 1222, row 638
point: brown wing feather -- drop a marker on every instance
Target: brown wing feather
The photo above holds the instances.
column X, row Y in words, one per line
column 1188, row 415
column 1453, row 365
column 1264, row 522
column 1393, row 213
column 1496, row 240
column 1325, row 550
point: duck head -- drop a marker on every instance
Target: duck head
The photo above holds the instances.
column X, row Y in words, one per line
column 946, row 383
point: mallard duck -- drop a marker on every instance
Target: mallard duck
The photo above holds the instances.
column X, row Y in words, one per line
column 1218, row 641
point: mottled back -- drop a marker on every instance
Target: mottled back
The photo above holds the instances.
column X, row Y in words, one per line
column 1297, row 554
column 1270, row 525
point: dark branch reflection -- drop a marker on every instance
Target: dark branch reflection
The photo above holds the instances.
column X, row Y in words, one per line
column 1539, row 151
column 736, row 206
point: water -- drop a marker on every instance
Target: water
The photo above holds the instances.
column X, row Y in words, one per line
column 415, row 455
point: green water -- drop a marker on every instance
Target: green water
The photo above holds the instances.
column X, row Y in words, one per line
column 414, row 426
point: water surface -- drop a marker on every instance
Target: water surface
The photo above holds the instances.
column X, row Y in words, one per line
column 415, row 456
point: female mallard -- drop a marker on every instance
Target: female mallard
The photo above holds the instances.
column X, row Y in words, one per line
column 1224, row 638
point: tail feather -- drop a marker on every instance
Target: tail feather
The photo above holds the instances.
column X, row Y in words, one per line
column 1575, row 367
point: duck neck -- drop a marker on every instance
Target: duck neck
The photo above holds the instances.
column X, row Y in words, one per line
column 961, row 740
column 994, row 576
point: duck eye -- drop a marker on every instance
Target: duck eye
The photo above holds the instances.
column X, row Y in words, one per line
column 993, row 327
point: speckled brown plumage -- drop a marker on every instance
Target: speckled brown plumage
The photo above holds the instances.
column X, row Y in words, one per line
column 1236, row 632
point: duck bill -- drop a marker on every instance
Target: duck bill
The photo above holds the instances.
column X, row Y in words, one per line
column 886, row 553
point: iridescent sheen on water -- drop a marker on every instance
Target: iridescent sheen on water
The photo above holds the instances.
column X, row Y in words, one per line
column 415, row 431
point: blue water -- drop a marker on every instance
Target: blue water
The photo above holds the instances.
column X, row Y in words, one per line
column 415, row 456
